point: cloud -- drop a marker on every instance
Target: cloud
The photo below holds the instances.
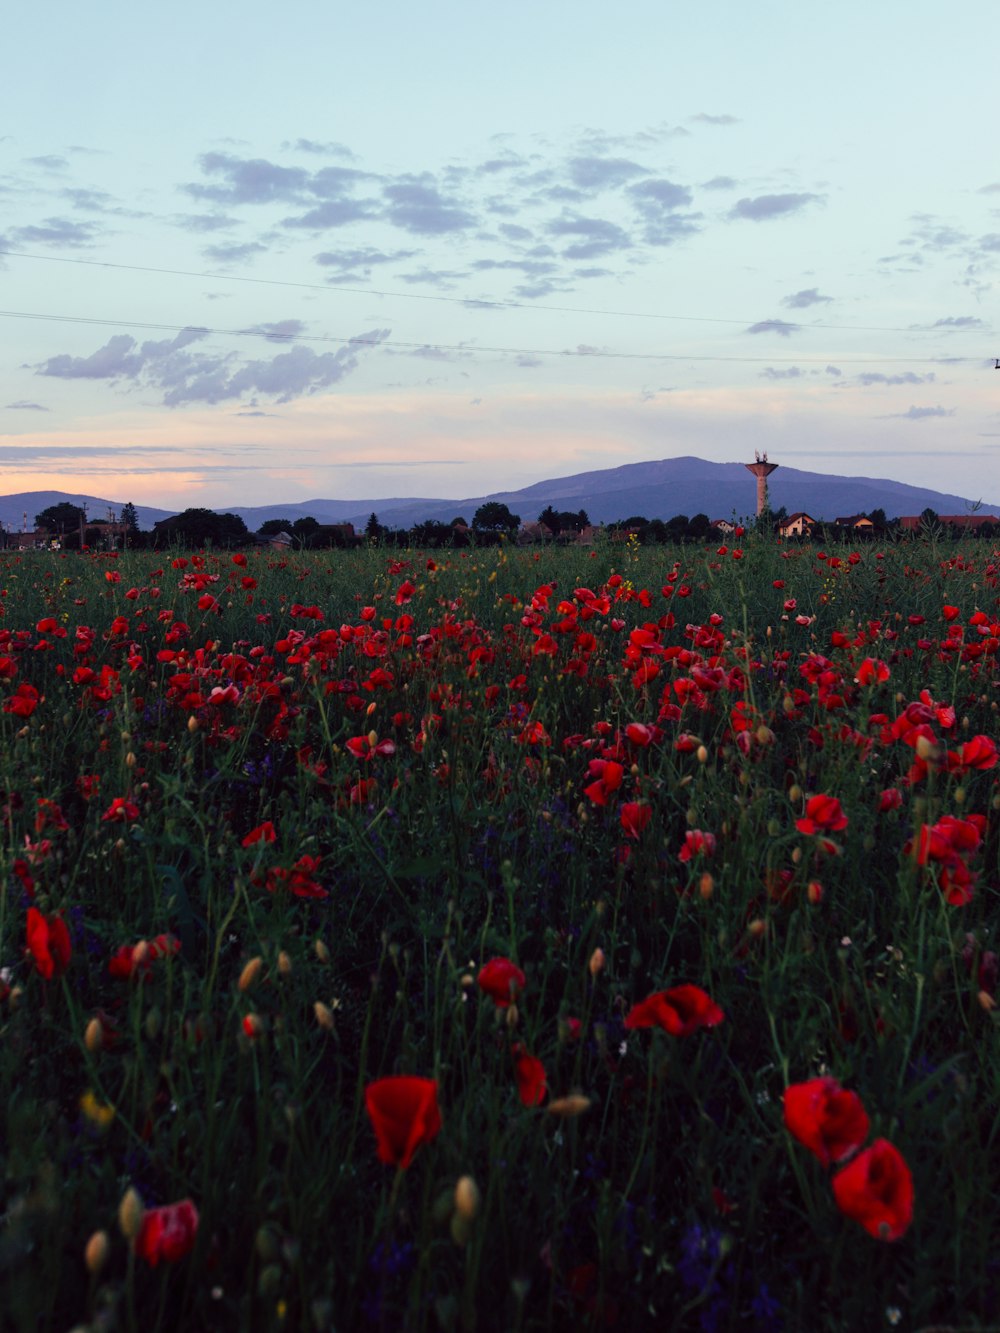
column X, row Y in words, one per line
column 789, row 373
column 27, row 407
column 333, row 213
column 720, row 183
column 330, row 149
column 283, row 331
column 833, row 370
column 599, row 237
column 766, row 206
column 416, row 205
column 234, row 254
column 959, row 322
column 204, row 222
column 990, row 242
column 921, row 413
column 656, row 202
column 115, row 360
column 805, row 298
column 778, row 326
column 443, row 278
column 358, row 263
column 870, row 377
column 184, row 376
column 703, row 118
column 248, row 180
column 603, row 173
column 48, row 162
column 59, row 232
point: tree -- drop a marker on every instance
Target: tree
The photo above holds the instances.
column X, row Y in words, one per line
column 196, row 527
column 495, row 517
column 272, row 526
column 128, row 518
column 373, row 528
column 699, row 527
column 304, row 530
column 551, row 519
column 61, row 518
column 879, row 520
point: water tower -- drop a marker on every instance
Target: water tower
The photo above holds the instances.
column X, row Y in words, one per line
column 761, row 469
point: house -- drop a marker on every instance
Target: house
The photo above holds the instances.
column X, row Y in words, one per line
column 860, row 522
column 796, row 525
column 723, row 525
column 529, row 533
column 38, row 540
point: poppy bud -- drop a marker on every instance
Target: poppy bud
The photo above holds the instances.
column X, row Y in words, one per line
column 467, row 1198
column 95, row 1254
column 706, row 886
column 192, row 724
column 140, row 953
column 757, row 927
column 284, row 964
column 512, row 1016
column 130, row 1212
column 322, row 952
column 795, row 793
column 815, row 892
column 701, row 754
column 250, row 973
column 568, row 1108
column 324, row 1016
column 596, row 964
column 93, row 1037
column 986, row 1001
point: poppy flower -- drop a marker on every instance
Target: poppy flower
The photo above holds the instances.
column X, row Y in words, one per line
column 404, row 1113
column 823, row 815
column 679, row 1011
column 876, row 1190
column 167, row 1233
column 120, row 810
column 262, row 833
column 826, row 1119
column 48, row 943
column 634, row 818
column 501, row 980
column 530, row 1075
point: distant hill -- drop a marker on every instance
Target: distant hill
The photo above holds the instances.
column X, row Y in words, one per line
column 13, row 508
column 658, row 489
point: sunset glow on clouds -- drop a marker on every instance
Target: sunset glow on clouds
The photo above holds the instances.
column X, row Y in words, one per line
column 449, row 253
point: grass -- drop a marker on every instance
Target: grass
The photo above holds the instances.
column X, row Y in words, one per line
column 420, row 731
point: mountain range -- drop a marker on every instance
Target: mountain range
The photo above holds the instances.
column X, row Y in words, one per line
column 660, row 489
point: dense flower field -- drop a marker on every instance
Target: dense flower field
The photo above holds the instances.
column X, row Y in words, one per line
column 500, row 939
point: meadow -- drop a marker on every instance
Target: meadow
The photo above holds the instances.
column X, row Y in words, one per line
column 500, row 939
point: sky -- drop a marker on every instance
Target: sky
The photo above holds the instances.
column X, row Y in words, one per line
column 252, row 255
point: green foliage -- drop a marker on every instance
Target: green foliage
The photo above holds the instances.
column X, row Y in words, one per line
column 495, row 517
column 61, row 518
column 425, row 732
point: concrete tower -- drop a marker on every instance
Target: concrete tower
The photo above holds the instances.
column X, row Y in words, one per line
column 761, row 469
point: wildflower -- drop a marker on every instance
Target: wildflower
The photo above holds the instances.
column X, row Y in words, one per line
column 48, row 943
column 404, row 1113
column 679, row 1011
column 121, row 811
column 167, row 1233
column 530, row 1074
column 501, row 980
column 634, row 818
column 136, row 960
column 826, row 1119
column 99, row 1113
column 607, row 777
column 876, row 1190
column 823, row 815
column 262, row 833
column 695, row 841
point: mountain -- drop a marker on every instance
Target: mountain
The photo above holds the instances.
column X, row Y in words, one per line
column 659, row 489
column 14, row 508
column 654, row 490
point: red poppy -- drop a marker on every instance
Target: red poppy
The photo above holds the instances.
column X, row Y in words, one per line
column 138, row 959
column 501, row 980
column 262, row 833
column 530, row 1074
column 823, row 815
column 634, row 817
column 826, row 1119
column 876, row 1189
column 48, row 943
column 121, row 810
column 404, row 1113
column 167, row 1233
column 679, row 1011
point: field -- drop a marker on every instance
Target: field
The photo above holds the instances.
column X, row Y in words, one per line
column 500, row 939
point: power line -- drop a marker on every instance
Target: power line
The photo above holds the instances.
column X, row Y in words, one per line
column 468, row 349
column 469, row 302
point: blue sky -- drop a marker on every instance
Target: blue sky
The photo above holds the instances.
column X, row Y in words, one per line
column 445, row 250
